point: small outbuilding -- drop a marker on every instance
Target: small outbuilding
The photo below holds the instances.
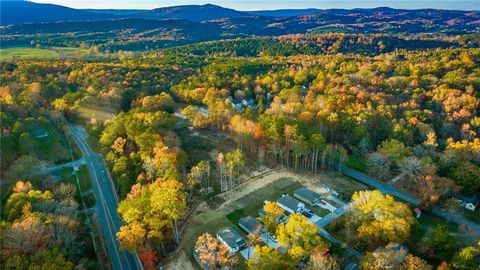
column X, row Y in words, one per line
column 398, row 249
column 290, row 204
column 231, row 238
column 418, row 212
column 308, row 196
column 250, row 224
column 40, row 133
column 470, row 203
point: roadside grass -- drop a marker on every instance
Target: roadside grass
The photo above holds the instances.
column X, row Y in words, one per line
column 89, row 200
column 66, row 175
column 84, row 178
column 357, row 163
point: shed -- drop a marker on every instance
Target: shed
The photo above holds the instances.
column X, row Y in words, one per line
column 469, row 202
column 290, row 204
column 306, row 195
column 231, row 238
column 250, row 224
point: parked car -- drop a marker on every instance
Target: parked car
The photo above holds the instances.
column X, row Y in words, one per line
column 307, row 213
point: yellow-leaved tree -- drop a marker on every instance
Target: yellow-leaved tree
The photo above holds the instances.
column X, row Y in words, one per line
column 381, row 219
column 299, row 236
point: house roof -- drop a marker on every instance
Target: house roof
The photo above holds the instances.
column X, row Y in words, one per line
column 40, row 133
column 289, row 202
column 249, row 224
column 307, row 194
column 474, row 199
column 399, row 249
column 231, row 237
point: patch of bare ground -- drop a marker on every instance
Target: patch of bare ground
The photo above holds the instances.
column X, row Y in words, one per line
column 180, row 261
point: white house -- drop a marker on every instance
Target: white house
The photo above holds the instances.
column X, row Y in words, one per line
column 231, row 238
column 470, row 203
column 290, row 204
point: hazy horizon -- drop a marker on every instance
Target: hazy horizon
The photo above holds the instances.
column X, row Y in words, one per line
column 268, row 4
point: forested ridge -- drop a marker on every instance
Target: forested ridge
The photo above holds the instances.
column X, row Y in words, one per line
column 384, row 105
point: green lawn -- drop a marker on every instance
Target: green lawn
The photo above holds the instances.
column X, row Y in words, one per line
column 51, row 148
column 31, row 53
column 13, row 53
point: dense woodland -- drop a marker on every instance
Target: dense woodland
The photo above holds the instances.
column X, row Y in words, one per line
column 312, row 101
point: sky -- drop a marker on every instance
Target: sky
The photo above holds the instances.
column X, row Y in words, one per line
column 270, row 4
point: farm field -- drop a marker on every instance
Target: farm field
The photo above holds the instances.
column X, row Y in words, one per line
column 42, row 53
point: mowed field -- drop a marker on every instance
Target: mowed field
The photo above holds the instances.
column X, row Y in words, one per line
column 39, row 53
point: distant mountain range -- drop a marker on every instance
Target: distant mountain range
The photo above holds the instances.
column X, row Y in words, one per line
column 15, row 12
column 25, row 23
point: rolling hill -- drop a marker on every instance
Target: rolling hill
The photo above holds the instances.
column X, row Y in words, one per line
column 53, row 25
column 16, row 12
column 197, row 13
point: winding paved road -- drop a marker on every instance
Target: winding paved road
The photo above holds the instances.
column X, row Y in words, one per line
column 106, row 204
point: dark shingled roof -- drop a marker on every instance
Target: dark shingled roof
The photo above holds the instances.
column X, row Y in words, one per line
column 307, row 194
column 249, row 224
column 289, row 202
column 231, row 236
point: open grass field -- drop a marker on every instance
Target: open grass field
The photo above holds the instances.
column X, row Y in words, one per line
column 101, row 114
column 52, row 148
column 43, row 53
column 14, row 53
